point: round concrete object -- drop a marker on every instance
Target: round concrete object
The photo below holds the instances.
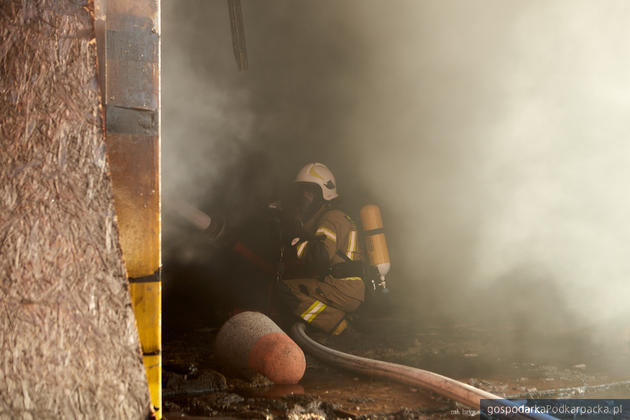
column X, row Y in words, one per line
column 252, row 341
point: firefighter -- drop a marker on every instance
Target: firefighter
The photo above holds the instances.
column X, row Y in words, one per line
column 328, row 284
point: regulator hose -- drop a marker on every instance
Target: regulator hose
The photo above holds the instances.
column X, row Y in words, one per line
column 442, row 385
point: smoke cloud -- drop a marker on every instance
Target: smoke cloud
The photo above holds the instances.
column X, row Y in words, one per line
column 492, row 134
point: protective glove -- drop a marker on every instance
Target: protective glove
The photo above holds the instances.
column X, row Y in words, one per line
column 292, row 230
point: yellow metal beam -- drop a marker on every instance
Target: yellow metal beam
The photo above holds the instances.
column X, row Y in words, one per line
column 130, row 80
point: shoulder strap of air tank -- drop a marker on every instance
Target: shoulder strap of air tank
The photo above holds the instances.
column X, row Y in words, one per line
column 344, row 256
column 351, row 220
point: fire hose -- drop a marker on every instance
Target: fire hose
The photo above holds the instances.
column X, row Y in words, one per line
column 442, row 385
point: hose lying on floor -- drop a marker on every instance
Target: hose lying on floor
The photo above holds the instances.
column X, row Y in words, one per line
column 442, row 385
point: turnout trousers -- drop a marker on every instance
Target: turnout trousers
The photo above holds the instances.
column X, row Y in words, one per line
column 319, row 303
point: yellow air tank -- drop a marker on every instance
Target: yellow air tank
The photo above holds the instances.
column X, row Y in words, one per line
column 375, row 242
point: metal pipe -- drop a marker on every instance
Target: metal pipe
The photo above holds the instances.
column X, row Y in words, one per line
column 238, row 33
column 442, row 385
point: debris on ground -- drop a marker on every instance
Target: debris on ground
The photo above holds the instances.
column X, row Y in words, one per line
column 461, row 352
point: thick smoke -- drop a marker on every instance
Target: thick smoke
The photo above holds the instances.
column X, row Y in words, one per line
column 492, row 134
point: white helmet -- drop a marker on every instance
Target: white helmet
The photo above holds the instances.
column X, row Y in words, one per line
column 318, row 173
